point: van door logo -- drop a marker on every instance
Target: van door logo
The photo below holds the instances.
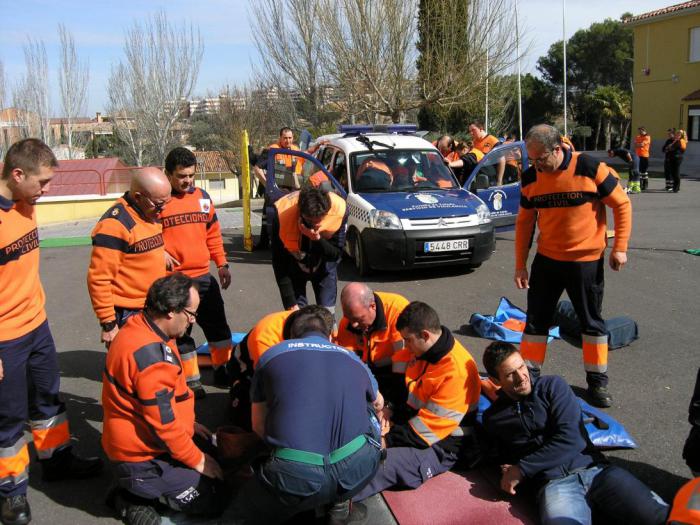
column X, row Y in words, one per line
column 497, row 198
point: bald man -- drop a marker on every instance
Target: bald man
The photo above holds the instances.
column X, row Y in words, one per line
column 368, row 328
column 128, row 254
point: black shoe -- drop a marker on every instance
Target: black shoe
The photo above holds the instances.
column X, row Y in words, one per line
column 600, row 396
column 346, row 513
column 198, row 389
column 134, row 510
column 66, row 465
column 221, row 377
column 15, row 510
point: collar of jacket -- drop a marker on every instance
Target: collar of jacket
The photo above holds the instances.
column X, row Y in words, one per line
column 132, row 202
column 155, row 328
column 440, row 349
column 567, row 159
column 6, row 204
column 379, row 320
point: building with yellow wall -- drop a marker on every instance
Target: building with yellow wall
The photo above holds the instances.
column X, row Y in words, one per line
column 667, row 76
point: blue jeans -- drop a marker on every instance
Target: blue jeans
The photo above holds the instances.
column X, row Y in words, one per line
column 607, row 489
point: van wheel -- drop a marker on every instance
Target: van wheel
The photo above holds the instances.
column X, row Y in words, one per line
column 360, row 257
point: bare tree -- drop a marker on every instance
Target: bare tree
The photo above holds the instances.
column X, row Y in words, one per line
column 289, row 40
column 3, row 86
column 73, row 77
column 148, row 88
column 32, row 92
column 370, row 55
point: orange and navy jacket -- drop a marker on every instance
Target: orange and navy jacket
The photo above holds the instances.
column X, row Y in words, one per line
column 148, row 408
column 686, row 504
column 287, row 211
column 443, row 392
column 268, row 332
column 127, row 256
column 382, row 344
column 192, row 232
column 21, row 294
column 289, row 160
column 485, row 144
column 641, row 145
column 569, row 207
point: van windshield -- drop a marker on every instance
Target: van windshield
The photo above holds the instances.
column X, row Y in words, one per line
column 400, row 170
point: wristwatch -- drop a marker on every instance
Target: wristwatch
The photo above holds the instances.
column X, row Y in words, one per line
column 108, row 326
column 223, row 266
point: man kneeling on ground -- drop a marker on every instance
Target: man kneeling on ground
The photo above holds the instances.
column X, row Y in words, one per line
column 538, row 431
column 149, row 420
column 313, row 404
column 434, row 430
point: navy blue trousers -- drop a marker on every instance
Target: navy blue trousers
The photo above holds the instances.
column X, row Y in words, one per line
column 281, row 488
column 29, row 391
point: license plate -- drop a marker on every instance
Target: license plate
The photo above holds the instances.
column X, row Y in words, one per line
column 446, row 246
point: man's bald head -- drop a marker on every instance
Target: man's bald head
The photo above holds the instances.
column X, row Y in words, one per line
column 359, row 305
column 151, row 189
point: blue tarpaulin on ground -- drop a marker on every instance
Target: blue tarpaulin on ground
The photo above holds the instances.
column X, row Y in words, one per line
column 505, row 325
column 236, row 337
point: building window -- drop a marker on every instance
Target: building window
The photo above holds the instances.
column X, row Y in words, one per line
column 694, row 55
column 694, row 123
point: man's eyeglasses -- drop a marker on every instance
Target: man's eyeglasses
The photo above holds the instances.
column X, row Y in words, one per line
column 192, row 315
column 542, row 158
column 157, row 206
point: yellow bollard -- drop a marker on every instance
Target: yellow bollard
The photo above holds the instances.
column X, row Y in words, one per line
column 245, row 183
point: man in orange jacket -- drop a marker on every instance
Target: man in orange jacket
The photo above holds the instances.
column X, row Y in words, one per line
column 434, row 428
column 308, row 235
column 149, row 419
column 29, row 374
column 192, row 235
column 642, row 144
column 368, row 328
column 127, row 251
column 566, row 193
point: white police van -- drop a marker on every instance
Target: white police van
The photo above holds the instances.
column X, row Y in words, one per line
column 406, row 208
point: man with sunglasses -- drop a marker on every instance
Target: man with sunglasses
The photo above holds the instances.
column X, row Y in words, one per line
column 566, row 193
column 127, row 251
column 192, row 235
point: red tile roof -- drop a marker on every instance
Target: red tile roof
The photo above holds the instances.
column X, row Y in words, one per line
column 695, row 95
column 664, row 11
column 215, row 161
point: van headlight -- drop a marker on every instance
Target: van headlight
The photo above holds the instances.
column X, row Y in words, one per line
column 482, row 212
column 384, row 220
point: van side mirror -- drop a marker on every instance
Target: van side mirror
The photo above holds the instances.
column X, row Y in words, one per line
column 482, row 182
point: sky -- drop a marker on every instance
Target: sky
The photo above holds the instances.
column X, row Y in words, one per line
column 98, row 27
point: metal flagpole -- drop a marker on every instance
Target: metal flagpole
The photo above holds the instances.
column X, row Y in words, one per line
column 563, row 28
column 517, row 56
column 488, row 18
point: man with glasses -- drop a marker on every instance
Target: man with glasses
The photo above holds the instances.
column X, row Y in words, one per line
column 150, row 432
column 192, row 235
column 127, row 251
column 566, row 193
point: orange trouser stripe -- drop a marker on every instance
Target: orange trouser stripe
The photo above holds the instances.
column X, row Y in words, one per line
column 190, row 366
column 595, row 353
column 14, row 462
column 46, row 440
column 220, row 354
column 533, row 348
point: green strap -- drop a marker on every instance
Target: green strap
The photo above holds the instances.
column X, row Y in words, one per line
column 311, row 458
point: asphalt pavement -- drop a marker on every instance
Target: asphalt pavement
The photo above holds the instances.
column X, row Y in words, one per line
column 651, row 380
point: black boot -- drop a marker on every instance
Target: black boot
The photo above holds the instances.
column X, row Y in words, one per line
column 600, row 396
column 221, row 377
column 132, row 509
column 15, row 510
column 66, row 465
column 346, row 513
